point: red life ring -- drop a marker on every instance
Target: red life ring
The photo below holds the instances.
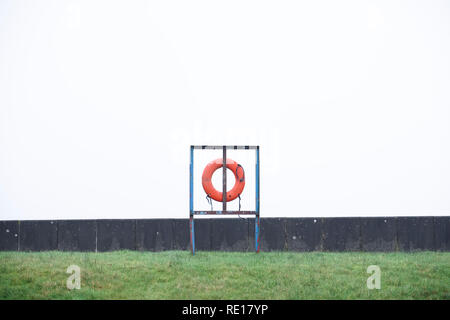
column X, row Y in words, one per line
column 238, row 185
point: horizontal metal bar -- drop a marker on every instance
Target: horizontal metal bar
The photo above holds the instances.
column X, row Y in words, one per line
column 224, row 212
column 226, row 147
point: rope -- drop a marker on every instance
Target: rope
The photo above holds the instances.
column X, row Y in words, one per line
column 208, row 198
column 240, row 208
column 240, row 180
column 243, row 173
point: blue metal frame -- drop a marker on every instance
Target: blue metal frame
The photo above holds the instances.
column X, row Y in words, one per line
column 191, row 194
column 191, row 202
column 257, row 202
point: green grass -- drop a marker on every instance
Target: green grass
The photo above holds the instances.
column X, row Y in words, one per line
column 224, row 275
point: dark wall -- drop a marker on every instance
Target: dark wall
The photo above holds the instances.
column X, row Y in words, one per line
column 276, row 234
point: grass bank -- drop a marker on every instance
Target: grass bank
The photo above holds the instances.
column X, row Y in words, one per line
column 224, row 275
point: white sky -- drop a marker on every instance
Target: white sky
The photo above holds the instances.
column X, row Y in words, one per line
column 100, row 100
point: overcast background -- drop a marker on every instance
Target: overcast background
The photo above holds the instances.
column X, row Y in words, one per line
column 100, row 101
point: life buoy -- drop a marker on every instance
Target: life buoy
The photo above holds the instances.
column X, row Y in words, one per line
column 238, row 174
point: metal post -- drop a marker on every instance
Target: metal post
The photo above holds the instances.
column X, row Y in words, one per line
column 257, row 233
column 257, row 202
column 191, row 202
column 224, row 185
column 192, row 234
